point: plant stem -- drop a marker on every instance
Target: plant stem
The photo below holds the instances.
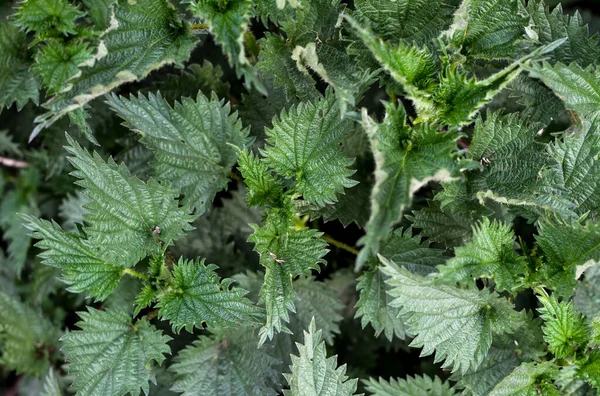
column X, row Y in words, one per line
column 199, row 26
column 135, row 274
column 339, row 244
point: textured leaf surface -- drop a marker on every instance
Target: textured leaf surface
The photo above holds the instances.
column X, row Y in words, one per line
column 199, row 296
column 313, row 373
column 44, row 15
column 226, row 363
column 498, row 364
column 17, row 82
column 316, row 300
column 82, row 267
column 449, row 97
column 373, row 305
column 418, row 21
column 142, row 36
column 57, row 63
column 587, row 293
column 513, row 165
column 276, row 60
column 190, row 141
column 528, row 379
column 205, row 78
column 564, row 329
column 566, row 245
column 24, row 333
column 553, row 25
column 125, row 212
column 486, row 29
column 411, row 386
column 304, row 144
column 263, row 187
column 443, row 225
column 228, row 22
column 578, row 162
column 579, row 88
column 110, row 355
column 14, row 234
column 458, row 324
column 490, row 254
column 285, row 254
column 406, row 159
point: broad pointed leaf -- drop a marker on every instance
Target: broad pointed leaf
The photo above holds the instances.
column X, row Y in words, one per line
column 110, row 355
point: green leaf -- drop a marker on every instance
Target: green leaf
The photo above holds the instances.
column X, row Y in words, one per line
column 578, row 161
column 82, row 266
column 411, row 386
column 17, row 82
column 263, row 187
column 590, row 370
column 566, row 245
column 198, row 296
column 478, row 314
column 417, row 21
column 228, row 21
column 406, row 159
column 331, row 62
column 374, row 307
column 498, row 363
column 225, row 363
column 374, row 302
column 486, row 29
column 14, row 234
column 313, row 373
column 538, row 101
column 99, row 12
column 72, row 210
column 412, row 252
column 8, row 145
column 315, row 300
column 304, row 144
column 579, row 88
column 587, row 293
column 443, row 225
column 27, row 339
column 285, row 253
column 276, row 60
column 413, row 67
column 127, row 218
column 451, row 97
column 191, row 141
column 529, row 379
column 513, row 165
column 51, row 386
column 111, row 355
column 56, row 63
column 490, row 254
column 43, row 16
column 564, row 329
column 187, row 82
column 548, row 26
column 142, row 36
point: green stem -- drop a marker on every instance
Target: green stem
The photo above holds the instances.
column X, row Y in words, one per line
column 199, row 26
column 393, row 98
column 339, row 244
column 135, row 274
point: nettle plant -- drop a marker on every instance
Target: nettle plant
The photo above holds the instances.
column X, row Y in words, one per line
column 377, row 180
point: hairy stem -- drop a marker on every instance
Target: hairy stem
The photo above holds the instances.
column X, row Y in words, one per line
column 339, row 244
column 135, row 274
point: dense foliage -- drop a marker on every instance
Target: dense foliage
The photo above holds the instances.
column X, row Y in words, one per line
column 299, row 197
